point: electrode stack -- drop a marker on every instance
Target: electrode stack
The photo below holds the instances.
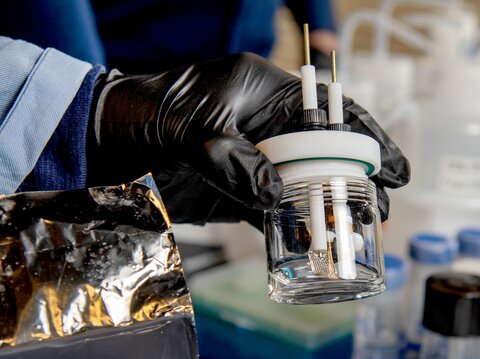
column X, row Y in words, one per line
column 323, row 241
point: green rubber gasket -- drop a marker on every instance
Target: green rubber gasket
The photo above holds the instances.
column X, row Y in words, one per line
column 370, row 167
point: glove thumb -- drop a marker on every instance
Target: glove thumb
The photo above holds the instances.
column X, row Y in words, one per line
column 235, row 167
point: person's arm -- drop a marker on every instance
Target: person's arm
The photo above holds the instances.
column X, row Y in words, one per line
column 37, row 87
column 195, row 128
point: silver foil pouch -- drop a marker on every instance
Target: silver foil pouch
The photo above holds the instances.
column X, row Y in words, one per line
column 92, row 273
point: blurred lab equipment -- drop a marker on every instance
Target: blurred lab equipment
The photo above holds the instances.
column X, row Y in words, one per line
column 197, row 257
column 417, row 99
column 323, row 241
column 468, row 260
column 429, row 253
column 378, row 327
column 451, row 317
column 235, row 319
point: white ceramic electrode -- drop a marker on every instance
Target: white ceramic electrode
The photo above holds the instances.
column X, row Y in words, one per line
column 317, row 217
column 335, row 103
column 309, row 87
column 343, row 230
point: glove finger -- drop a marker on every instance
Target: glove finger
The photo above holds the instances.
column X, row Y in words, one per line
column 202, row 205
column 256, row 220
column 383, row 202
column 395, row 170
column 236, row 168
column 228, row 210
column 175, row 180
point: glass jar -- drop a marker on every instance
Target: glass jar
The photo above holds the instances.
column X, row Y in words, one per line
column 323, row 242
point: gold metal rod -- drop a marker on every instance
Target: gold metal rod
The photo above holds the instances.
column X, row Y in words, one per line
column 334, row 69
column 306, row 44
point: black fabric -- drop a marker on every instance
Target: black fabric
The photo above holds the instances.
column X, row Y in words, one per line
column 195, row 129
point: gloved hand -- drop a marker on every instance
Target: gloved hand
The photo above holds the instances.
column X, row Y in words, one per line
column 195, row 129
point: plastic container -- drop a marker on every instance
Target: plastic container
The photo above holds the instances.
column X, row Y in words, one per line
column 378, row 329
column 468, row 260
column 444, row 194
column 429, row 253
column 323, row 241
column 235, row 319
column 451, row 317
column 448, row 157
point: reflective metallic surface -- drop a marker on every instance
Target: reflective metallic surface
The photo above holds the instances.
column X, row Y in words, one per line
column 75, row 261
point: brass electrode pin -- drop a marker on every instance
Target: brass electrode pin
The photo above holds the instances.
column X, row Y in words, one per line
column 334, row 68
column 306, row 44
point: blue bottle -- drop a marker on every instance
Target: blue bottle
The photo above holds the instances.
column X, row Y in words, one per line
column 468, row 260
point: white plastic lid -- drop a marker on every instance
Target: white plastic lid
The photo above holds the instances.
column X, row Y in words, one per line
column 313, row 153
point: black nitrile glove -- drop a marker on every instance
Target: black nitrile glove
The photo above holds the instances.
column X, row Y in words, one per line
column 196, row 128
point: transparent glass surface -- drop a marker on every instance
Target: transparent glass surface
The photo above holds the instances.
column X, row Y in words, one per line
column 378, row 326
column 323, row 242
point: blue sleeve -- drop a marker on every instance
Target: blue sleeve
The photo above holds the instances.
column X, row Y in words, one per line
column 36, row 89
column 63, row 162
column 317, row 13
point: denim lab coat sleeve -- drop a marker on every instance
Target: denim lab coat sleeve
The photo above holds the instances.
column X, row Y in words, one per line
column 44, row 94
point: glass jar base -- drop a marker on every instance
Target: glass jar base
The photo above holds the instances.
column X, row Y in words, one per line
column 326, row 292
column 294, row 283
